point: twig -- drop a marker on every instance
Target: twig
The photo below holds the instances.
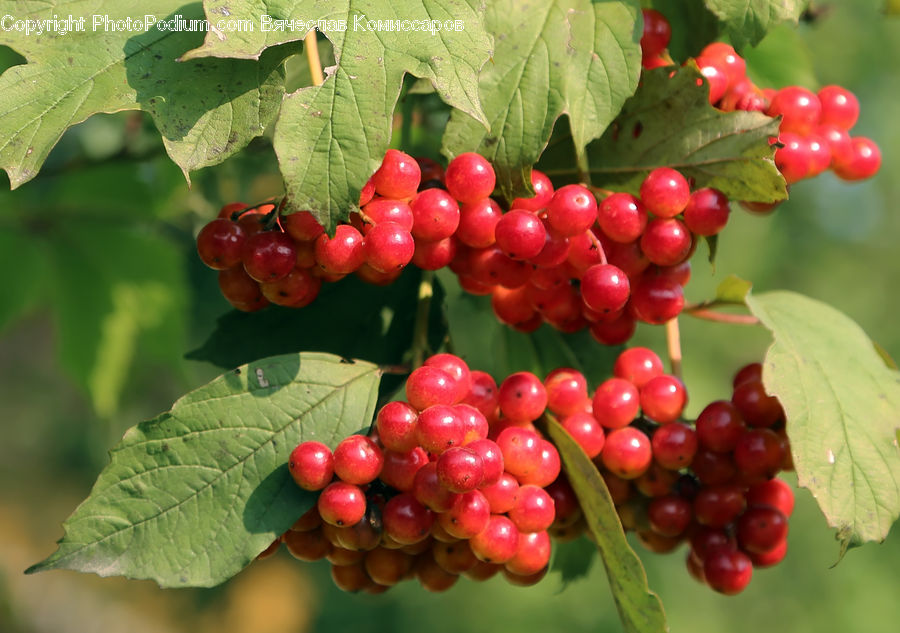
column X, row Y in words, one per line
column 723, row 317
column 599, row 245
column 311, row 46
column 420, row 329
column 673, row 342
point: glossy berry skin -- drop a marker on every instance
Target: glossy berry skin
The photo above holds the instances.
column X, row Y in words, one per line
column 387, row 567
column 521, row 450
column 439, row 428
column 863, row 161
column 773, row 493
column 268, row 255
column 751, row 372
column 760, row 529
column 627, row 452
column 669, row 515
column 398, row 177
column 342, row 504
column 429, row 491
column 707, row 212
column 725, row 58
column 240, row 290
column 387, row 210
column 456, row 368
column 663, row 398
column 428, row 386
column 343, row 253
column 665, row 192
column 358, row 460
column 522, row 397
column 771, row 557
column 666, row 242
column 717, row 506
column 400, row 468
column 638, row 365
column 220, row 243
column 460, row 469
column 470, row 177
column 656, row 35
column 396, row 424
column 794, row 159
column 622, row 217
column 566, row 391
column 502, row 494
column 520, row 234
column 799, row 108
column 840, row 107
column 406, row 520
column 534, row 509
column 605, row 288
column 532, row 554
column 474, row 421
column 468, row 515
column 759, row 453
column 543, row 191
column 656, row 299
column 311, row 465
column 388, row 247
column 616, row 403
column 478, row 223
column 435, row 215
column 483, row 395
column 571, row 210
column 674, row 445
column 491, row 460
column 715, row 77
column 586, row 431
column 719, row 426
column 757, row 408
column 728, row 571
column 297, row 289
column 497, row 542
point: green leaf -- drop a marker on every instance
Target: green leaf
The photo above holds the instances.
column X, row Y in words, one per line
column 331, row 138
column 748, row 21
column 573, row 560
column 765, row 63
column 571, row 57
column 841, row 404
column 21, row 291
column 206, row 110
column 733, row 289
column 489, row 345
column 669, row 122
column 192, row 496
column 349, row 318
column 639, row 608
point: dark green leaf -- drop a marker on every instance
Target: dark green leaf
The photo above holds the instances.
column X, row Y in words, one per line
column 573, row 560
column 21, row 291
column 693, row 26
column 765, row 63
column 192, row 496
column 841, row 404
column 639, row 608
column 570, row 57
column 486, row 344
column 206, row 110
column 669, row 122
column 349, row 318
column 748, row 21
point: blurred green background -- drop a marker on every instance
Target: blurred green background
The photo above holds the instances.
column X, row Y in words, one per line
column 103, row 295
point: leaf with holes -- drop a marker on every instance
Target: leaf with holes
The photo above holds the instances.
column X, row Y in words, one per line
column 571, row 57
column 640, row 610
column 841, row 403
column 192, row 496
column 669, row 122
column 331, row 138
column 206, row 110
column 748, row 21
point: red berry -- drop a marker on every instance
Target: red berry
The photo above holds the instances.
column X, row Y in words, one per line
column 358, row 460
column 774, row 493
column 839, row 107
column 478, row 223
column 534, row 509
column 794, row 159
column 220, row 243
column 435, row 215
column 771, row 557
column 520, row 234
column 666, row 242
column 387, row 210
column 497, row 542
column 474, row 422
column 302, row 226
column 759, row 453
column 311, row 465
column 586, row 431
column 799, row 108
column 726, row 59
column 719, row 426
column 298, row 289
column 543, row 191
column 522, row 397
column 400, row 468
column 398, row 177
column 669, row 515
column 547, row 469
column 656, row 35
column 863, row 161
column 241, row 290
column 396, row 424
column 665, row 192
column 715, row 76
column 622, row 217
column 566, row 391
column 674, row 445
column 268, row 255
column 627, row 452
column 428, row 490
column 572, row 210
column 502, row 494
column 663, row 398
column 756, row 406
column 751, row 372
column 483, row 394
column 470, row 177
column 656, row 299
column 440, row 428
column 428, row 386
column 388, row 247
column 456, row 368
column 638, row 365
column 491, row 460
column 761, row 529
column 605, row 288
column 342, row 504
column 717, row 506
column 521, row 450
column 728, row 571
column 616, row 403
column 406, row 520
column 460, row 469
column 532, row 554
column 343, row 253
column 707, row 212
column 467, row 516
column 712, row 468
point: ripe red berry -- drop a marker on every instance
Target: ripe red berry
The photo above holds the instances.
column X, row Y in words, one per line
column 666, row 241
column 435, row 215
column 757, row 408
column 771, row 557
column 468, row 515
column 521, row 450
column 342, row 504
column 759, row 453
column 638, row 365
column 794, row 159
column 534, row 509
column 387, row 210
column 656, row 35
column 707, row 212
column 456, row 368
column 799, row 108
column 586, row 431
column 728, row 571
column 774, row 493
column 400, row 468
column 717, row 506
column 439, row 428
column 532, row 554
column 429, row 491
column 520, row 234
column 627, row 453
column 311, row 465
column 358, row 460
column 491, row 460
column 302, row 226
column 241, row 290
column 341, row 254
column 483, row 395
column 268, row 255
column 478, row 223
column 725, row 58
column 398, row 177
column 502, row 494
column 396, row 424
column 428, row 386
column 497, row 542
column 663, row 398
column 616, row 403
column 719, row 426
column 674, row 445
column 220, row 244
column 839, row 107
column 460, row 469
column 760, row 529
column 543, row 191
column 669, row 515
column 297, row 289
column 622, row 217
column 656, row 299
column 388, row 247
column 605, row 288
column 572, row 210
column 665, row 192
column 522, row 397
column 863, row 161
column 406, row 520
column 470, row 177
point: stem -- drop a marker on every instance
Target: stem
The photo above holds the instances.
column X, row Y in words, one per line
column 311, row 46
column 673, row 342
column 420, row 329
column 600, row 192
column 399, row 370
column 599, row 245
column 721, row 317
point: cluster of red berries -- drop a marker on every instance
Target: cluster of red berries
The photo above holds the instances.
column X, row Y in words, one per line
column 442, row 486
column 712, row 484
column 557, row 257
column 814, row 134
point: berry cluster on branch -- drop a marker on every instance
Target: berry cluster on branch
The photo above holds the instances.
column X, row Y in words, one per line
column 458, row 480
